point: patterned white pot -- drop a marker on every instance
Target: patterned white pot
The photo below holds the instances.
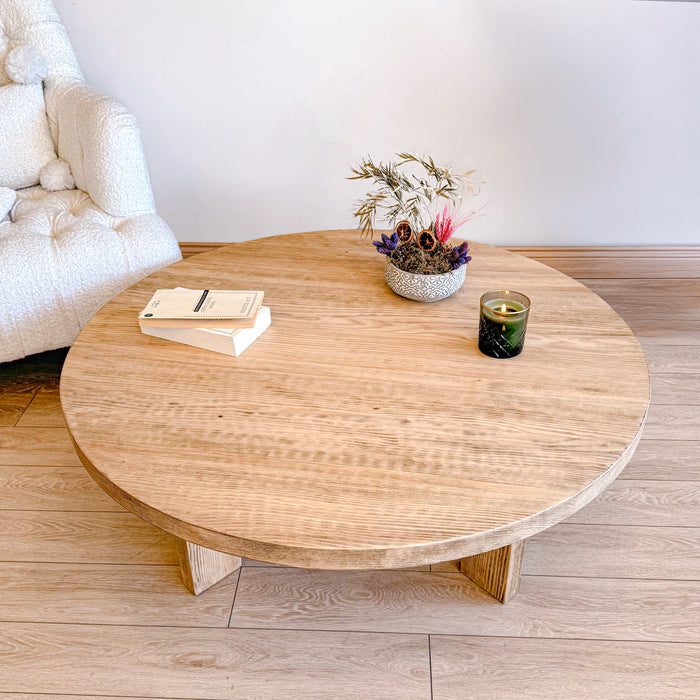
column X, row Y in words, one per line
column 424, row 287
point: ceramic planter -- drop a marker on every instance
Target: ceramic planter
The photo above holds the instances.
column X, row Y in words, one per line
column 424, row 287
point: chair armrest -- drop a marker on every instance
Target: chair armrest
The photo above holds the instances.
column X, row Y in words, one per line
column 100, row 140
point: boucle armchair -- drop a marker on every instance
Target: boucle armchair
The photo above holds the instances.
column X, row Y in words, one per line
column 64, row 253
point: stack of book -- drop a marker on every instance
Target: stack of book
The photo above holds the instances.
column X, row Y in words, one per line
column 223, row 321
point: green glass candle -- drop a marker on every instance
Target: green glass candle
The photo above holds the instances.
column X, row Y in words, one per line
column 502, row 323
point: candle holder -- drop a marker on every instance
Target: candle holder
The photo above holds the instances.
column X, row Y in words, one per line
column 502, row 323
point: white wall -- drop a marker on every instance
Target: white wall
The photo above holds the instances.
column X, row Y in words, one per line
column 581, row 115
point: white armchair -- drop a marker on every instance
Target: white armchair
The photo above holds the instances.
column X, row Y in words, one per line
column 63, row 254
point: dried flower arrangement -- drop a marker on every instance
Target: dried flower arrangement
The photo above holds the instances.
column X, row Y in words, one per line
column 409, row 202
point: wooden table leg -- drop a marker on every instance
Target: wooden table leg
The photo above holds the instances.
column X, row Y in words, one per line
column 201, row 568
column 497, row 571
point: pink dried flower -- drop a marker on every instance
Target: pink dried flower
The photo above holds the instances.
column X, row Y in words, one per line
column 447, row 224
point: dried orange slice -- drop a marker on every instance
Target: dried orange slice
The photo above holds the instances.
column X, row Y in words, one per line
column 404, row 231
column 427, row 240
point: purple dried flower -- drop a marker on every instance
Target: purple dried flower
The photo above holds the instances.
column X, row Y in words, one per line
column 391, row 242
column 459, row 256
column 460, row 251
column 388, row 244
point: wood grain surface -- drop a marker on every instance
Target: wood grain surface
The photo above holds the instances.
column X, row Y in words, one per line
column 42, row 412
column 12, row 406
column 615, row 551
column 665, row 358
column 653, row 311
column 637, row 502
column 665, row 460
column 515, row 668
column 618, row 262
column 497, row 571
column 51, row 488
column 201, row 568
column 60, row 536
column 37, row 446
column 361, row 430
column 667, row 389
column 213, row 663
column 673, row 422
column 546, row 606
column 116, row 594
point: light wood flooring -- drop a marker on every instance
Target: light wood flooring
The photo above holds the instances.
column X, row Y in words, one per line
column 91, row 603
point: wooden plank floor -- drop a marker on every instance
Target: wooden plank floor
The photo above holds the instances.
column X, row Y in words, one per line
column 91, row 604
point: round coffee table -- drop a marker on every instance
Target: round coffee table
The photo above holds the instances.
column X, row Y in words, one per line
column 361, row 430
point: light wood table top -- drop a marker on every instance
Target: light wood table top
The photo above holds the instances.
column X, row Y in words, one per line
column 361, row 430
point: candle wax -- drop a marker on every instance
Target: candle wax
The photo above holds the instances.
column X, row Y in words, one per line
column 510, row 306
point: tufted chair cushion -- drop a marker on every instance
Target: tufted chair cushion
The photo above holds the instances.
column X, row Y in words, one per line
column 66, row 258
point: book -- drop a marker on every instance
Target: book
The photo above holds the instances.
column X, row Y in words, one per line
column 201, row 308
column 229, row 341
